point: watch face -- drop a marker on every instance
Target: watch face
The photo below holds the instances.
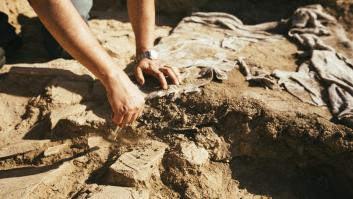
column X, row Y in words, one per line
column 153, row 54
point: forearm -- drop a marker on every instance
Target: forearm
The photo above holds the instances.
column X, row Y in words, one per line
column 142, row 17
column 69, row 29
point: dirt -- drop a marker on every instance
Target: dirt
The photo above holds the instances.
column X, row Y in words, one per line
column 243, row 141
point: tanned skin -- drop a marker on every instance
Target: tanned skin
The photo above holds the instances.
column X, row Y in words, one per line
column 72, row 33
column 142, row 17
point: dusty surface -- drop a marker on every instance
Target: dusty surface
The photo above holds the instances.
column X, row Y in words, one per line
column 232, row 140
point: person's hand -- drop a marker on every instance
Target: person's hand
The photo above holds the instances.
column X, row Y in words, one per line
column 126, row 100
column 157, row 69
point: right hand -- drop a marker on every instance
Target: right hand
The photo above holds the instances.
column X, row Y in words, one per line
column 126, row 100
column 158, row 69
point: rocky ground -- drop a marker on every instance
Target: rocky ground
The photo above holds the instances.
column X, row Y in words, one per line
column 232, row 140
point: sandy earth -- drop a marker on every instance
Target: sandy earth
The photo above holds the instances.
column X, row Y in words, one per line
column 232, row 140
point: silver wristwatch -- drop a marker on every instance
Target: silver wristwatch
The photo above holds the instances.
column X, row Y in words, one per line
column 150, row 54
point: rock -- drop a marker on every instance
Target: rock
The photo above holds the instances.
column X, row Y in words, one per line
column 32, row 182
column 113, row 192
column 67, row 92
column 104, row 146
column 23, row 147
column 193, row 154
column 69, row 121
column 138, row 166
column 87, row 118
column 116, row 32
column 60, row 113
column 68, row 69
column 215, row 182
column 17, row 187
column 185, row 119
column 215, row 145
column 55, row 149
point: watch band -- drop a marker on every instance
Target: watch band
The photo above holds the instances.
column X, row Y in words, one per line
column 150, row 54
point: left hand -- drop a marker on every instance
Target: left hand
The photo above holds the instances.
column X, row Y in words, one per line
column 157, row 69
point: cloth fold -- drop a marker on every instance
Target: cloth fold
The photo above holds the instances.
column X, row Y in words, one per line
column 327, row 77
column 203, row 48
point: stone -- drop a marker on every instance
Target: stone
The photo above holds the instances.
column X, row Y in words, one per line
column 137, row 166
column 67, row 92
column 55, row 149
column 114, row 192
column 68, row 69
column 102, row 144
column 76, row 119
column 193, row 154
column 23, row 147
column 13, row 185
column 87, row 118
column 60, row 113
column 214, row 144
column 215, row 182
column 185, row 119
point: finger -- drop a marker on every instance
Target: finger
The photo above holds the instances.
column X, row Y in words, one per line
column 118, row 119
column 140, row 112
column 177, row 73
column 170, row 73
column 139, row 75
column 126, row 119
column 160, row 76
column 134, row 117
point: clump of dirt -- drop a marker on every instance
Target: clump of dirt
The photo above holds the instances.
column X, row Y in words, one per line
column 231, row 140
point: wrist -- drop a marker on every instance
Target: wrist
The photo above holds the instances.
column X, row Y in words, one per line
column 143, row 49
column 111, row 76
column 149, row 54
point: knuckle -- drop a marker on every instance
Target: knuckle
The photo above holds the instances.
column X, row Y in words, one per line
column 150, row 66
column 160, row 74
column 170, row 70
column 115, row 116
column 141, row 65
column 136, row 109
column 124, row 110
column 116, row 120
column 131, row 109
column 162, row 78
column 136, row 70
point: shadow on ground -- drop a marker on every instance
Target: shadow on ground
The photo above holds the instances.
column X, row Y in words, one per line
column 284, row 180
